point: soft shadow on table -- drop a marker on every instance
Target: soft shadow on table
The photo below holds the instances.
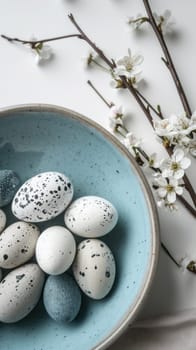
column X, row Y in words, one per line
column 163, row 282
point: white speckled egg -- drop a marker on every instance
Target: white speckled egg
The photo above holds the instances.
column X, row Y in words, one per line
column 20, row 291
column 2, row 220
column 94, row 268
column 55, row 250
column 91, row 216
column 42, row 197
column 17, row 244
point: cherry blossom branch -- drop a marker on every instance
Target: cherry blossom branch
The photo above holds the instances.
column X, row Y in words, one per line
column 141, row 100
column 133, row 91
column 138, row 150
column 181, row 198
column 168, row 59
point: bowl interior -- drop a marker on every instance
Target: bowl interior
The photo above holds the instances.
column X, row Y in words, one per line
column 34, row 140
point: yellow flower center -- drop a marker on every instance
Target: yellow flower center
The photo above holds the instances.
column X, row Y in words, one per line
column 129, row 66
column 169, row 188
column 175, row 166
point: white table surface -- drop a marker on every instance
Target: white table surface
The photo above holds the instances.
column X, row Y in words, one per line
column 63, row 82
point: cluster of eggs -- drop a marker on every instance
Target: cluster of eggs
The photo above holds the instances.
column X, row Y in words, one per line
column 53, row 251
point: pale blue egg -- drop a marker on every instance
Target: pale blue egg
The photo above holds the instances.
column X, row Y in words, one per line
column 9, row 183
column 62, row 298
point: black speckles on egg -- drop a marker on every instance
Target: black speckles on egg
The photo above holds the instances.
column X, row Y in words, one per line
column 107, row 274
column 17, row 244
column 94, row 216
column 19, row 277
column 82, row 273
column 20, row 292
column 94, row 268
column 42, row 197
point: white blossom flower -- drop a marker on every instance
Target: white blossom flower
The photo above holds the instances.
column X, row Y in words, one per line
column 131, row 141
column 88, row 59
column 135, row 22
column 167, row 189
column 43, row 54
column 116, row 112
column 183, row 125
column 128, row 66
column 176, row 165
column 92, row 59
column 116, row 117
column 115, row 123
column 184, row 263
column 164, row 21
column 41, row 51
column 154, row 161
column 178, row 131
column 164, row 127
column 181, row 141
column 192, row 147
column 117, row 83
column 164, row 203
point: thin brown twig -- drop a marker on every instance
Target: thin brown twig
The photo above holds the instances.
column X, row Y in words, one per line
column 169, row 254
column 133, row 91
column 85, row 37
column 190, row 188
column 187, row 205
column 98, row 93
column 33, row 43
column 148, row 103
column 168, row 59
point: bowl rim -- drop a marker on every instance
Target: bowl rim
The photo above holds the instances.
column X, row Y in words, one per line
column 133, row 311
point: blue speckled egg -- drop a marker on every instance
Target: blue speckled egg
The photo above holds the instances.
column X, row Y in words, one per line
column 9, row 183
column 62, row 298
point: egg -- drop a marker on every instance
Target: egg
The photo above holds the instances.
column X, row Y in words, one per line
column 55, row 250
column 9, row 182
column 2, row 220
column 42, row 197
column 94, row 268
column 62, row 298
column 20, row 291
column 91, row 217
column 17, row 244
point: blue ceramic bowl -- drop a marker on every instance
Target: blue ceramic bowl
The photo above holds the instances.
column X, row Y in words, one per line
column 41, row 138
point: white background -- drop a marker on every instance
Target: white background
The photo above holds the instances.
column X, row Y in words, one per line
column 63, row 82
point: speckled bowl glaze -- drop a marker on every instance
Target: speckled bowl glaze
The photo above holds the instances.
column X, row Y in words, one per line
column 40, row 138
